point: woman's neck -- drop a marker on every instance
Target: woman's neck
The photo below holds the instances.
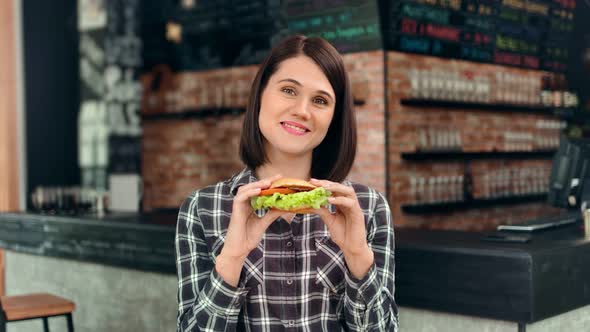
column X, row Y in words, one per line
column 298, row 167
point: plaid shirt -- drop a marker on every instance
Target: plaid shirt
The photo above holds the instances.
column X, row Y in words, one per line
column 295, row 280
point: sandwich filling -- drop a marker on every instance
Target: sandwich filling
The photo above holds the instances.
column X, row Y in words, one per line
column 313, row 199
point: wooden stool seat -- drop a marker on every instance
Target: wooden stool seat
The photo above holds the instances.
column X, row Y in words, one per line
column 32, row 306
column 29, row 306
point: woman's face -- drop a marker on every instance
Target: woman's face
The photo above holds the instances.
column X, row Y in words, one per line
column 296, row 107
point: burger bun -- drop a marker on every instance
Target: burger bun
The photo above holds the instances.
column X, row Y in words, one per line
column 291, row 183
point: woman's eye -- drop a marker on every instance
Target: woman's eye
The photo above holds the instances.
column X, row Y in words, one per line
column 320, row 101
column 289, row 91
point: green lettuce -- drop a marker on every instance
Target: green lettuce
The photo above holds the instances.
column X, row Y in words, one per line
column 315, row 199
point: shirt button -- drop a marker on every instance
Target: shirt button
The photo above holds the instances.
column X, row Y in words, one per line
column 291, row 322
column 289, row 281
column 289, row 244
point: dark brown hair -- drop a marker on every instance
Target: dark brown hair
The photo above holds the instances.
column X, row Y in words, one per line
column 332, row 159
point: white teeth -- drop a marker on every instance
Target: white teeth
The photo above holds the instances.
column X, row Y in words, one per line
column 293, row 127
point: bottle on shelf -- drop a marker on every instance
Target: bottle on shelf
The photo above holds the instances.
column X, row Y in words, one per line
column 546, row 93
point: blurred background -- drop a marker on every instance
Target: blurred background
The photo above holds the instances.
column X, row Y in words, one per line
column 472, row 116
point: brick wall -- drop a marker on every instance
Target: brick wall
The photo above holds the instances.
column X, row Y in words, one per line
column 184, row 154
column 366, row 74
column 412, row 128
column 181, row 154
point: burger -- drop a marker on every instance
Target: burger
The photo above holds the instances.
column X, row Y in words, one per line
column 291, row 195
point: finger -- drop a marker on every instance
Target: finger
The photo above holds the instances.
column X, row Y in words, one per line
column 247, row 194
column 336, row 188
column 343, row 202
column 320, row 183
column 325, row 215
column 264, row 183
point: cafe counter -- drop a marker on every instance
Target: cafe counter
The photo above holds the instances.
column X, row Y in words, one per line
column 119, row 269
column 144, row 242
column 448, row 279
column 445, row 278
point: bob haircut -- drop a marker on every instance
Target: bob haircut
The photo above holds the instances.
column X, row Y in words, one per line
column 332, row 159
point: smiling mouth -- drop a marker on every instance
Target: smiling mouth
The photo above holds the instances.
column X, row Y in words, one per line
column 294, row 128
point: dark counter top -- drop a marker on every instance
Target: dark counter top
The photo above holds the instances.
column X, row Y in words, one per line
column 144, row 242
column 445, row 271
column 458, row 272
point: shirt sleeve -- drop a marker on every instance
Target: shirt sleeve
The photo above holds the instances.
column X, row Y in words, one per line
column 205, row 301
column 369, row 303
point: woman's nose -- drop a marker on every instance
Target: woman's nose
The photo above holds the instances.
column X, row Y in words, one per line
column 301, row 109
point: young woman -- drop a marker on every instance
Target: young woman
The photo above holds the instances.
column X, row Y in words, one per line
column 248, row 270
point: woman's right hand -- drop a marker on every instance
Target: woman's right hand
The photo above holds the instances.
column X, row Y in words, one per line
column 245, row 228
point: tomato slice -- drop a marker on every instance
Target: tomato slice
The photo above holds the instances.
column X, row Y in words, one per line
column 269, row 192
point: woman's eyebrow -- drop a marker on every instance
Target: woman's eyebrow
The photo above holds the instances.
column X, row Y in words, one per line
column 299, row 84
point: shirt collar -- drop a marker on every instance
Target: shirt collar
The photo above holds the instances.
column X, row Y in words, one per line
column 244, row 177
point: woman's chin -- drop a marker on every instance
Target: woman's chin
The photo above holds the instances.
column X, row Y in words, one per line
column 293, row 151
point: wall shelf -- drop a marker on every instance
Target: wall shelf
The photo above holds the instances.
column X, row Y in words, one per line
column 572, row 114
column 471, row 204
column 476, row 105
column 569, row 114
column 460, row 155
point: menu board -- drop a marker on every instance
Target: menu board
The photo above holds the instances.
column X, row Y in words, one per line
column 225, row 33
column 530, row 34
column 350, row 25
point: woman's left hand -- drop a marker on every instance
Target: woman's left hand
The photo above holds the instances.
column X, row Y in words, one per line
column 346, row 226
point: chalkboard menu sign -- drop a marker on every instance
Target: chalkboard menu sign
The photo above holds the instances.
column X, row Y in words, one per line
column 224, row 33
column 524, row 33
column 350, row 25
column 532, row 34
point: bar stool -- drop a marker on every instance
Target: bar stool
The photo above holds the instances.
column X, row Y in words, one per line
column 32, row 306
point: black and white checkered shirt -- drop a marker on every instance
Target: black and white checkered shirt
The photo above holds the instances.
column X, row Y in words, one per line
column 295, row 280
